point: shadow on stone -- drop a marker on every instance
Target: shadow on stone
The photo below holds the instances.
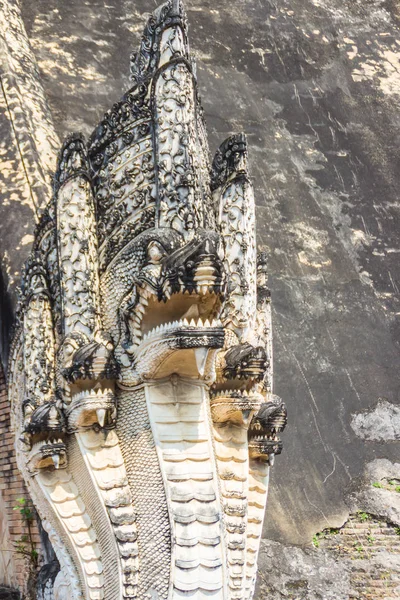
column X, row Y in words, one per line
column 7, row 593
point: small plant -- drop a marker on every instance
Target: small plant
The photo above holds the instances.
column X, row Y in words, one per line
column 358, row 547
column 25, row 546
column 377, row 484
column 396, row 484
column 397, row 530
column 370, row 539
column 363, row 516
column 315, row 540
column 323, row 535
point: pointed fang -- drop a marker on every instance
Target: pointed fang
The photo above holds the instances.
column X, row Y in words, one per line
column 201, row 357
column 101, row 416
column 56, row 461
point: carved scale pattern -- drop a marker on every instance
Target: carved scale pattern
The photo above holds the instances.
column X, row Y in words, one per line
column 257, row 499
column 237, row 220
column 105, row 463
column 125, row 190
column 140, row 455
column 39, row 336
column 232, row 459
column 181, row 429
column 60, row 490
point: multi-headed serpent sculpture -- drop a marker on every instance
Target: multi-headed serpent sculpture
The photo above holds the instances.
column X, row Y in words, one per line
column 140, row 376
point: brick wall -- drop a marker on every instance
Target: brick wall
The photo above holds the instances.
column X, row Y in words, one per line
column 358, row 561
column 7, row 563
column 373, row 547
column 13, row 567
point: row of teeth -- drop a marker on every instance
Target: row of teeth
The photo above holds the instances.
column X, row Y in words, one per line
column 140, row 310
column 146, row 292
column 276, row 429
column 44, row 443
column 249, row 375
column 201, row 289
column 263, row 438
column 100, row 393
column 183, row 323
column 228, row 393
column 142, row 304
column 56, row 460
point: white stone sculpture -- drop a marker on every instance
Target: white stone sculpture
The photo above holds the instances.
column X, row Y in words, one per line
column 140, row 377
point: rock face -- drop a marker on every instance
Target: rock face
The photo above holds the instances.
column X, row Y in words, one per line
column 381, row 423
column 314, row 84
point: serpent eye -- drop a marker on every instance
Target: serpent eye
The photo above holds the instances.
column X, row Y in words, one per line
column 155, row 251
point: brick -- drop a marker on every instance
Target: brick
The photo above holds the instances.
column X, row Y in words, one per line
column 12, row 487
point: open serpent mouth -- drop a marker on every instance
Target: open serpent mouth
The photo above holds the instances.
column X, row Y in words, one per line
column 265, row 428
column 50, row 453
column 235, row 388
column 243, row 385
column 237, row 393
column 241, row 373
column 258, row 434
column 265, row 446
column 190, row 316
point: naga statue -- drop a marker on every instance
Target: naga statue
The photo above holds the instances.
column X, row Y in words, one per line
column 141, row 368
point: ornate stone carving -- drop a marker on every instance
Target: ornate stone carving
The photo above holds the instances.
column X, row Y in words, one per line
column 141, row 370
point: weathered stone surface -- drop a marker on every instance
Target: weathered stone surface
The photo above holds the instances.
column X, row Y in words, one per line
column 292, row 572
column 27, row 156
column 381, row 424
column 378, row 491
